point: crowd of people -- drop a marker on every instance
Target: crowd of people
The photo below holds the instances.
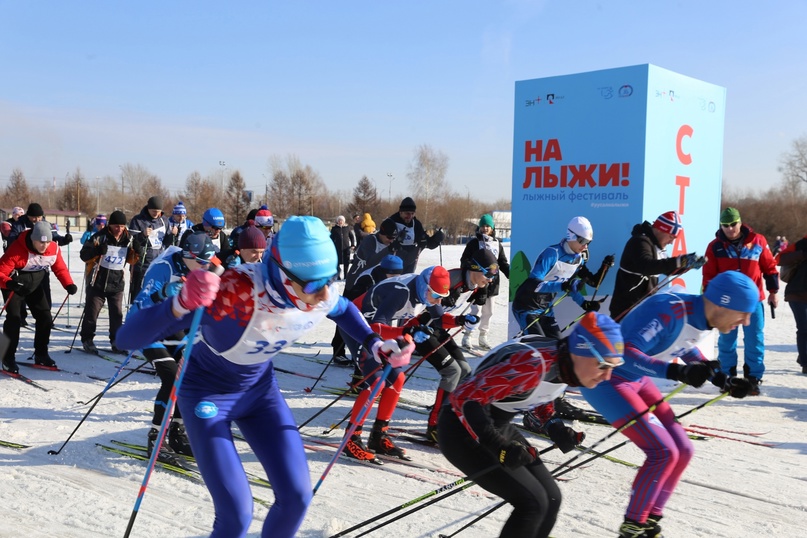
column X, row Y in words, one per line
column 244, row 297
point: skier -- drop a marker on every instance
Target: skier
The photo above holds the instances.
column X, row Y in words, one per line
column 663, row 327
column 23, row 267
column 558, row 268
column 152, row 234
column 476, row 430
column 105, row 253
column 213, row 225
column 162, row 281
column 179, row 220
column 254, row 312
column 644, row 258
column 413, row 300
column 97, row 224
column 484, row 302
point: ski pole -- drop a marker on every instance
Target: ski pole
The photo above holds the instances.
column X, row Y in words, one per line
column 322, row 373
column 53, row 320
column 468, row 479
column 67, row 227
column 363, row 415
column 130, row 372
column 542, row 314
column 475, row 520
column 169, row 409
column 622, row 428
column 626, row 441
column 339, row 397
column 108, row 385
column 80, row 319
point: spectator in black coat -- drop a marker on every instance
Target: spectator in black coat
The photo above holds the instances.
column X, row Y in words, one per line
column 345, row 241
column 643, row 259
column 411, row 235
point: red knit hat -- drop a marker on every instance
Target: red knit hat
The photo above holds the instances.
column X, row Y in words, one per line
column 251, row 237
column 669, row 223
column 439, row 281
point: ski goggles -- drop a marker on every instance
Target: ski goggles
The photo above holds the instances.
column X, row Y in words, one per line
column 490, row 271
column 436, row 295
column 602, row 363
column 309, row 287
column 580, row 239
column 191, row 256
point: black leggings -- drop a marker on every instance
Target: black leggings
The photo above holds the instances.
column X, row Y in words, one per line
column 166, row 367
column 531, row 490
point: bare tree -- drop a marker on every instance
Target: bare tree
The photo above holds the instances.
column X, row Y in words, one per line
column 200, row 194
column 427, row 178
column 794, row 162
column 17, row 193
column 295, row 189
column 75, row 194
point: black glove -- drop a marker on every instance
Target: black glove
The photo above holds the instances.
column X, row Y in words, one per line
column 71, row 289
column 608, row 262
column 694, row 374
column 438, row 236
column 563, row 436
column 571, row 285
column 592, row 306
column 481, row 296
column 101, row 249
column 737, row 387
column 516, row 454
column 468, row 321
column 691, row 261
column 14, row 286
column 449, row 301
column 419, row 333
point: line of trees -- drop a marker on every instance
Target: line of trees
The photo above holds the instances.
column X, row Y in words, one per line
column 297, row 189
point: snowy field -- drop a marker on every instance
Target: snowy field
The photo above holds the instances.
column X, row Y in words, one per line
column 733, row 488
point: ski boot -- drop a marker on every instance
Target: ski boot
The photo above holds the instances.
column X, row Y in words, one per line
column 178, row 439
column 633, row 529
column 466, row 340
column 43, row 359
column 483, row 340
column 381, row 443
column 356, row 450
column 166, row 454
column 10, row 366
column 89, row 347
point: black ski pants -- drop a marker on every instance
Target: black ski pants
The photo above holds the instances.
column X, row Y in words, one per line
column 92, row 307
column 38, row 305
column 530, row 489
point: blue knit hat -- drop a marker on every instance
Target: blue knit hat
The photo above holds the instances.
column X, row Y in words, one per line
column 733, row 290
column 392, row 264
column 304, row 247
column 597, row 331
column 179, row 209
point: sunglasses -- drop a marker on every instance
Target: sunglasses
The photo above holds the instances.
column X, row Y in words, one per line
column 309, row 287
column 603, row 364
column 582, row 240
column 489, row 272
column 732, row 225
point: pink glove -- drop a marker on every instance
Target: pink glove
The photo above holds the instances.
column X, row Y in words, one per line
column 396, row 352
column 200, row 289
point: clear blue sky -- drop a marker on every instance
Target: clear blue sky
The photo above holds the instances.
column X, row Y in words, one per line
column 353, row 87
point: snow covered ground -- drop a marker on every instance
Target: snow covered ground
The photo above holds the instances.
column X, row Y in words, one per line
column 733, row 488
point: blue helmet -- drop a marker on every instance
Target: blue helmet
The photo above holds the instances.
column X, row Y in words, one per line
column 303, row 247
column 213, row 217
column 198, row 246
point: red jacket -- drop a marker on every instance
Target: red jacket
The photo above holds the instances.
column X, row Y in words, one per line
column 25, row 260
column 753, row 258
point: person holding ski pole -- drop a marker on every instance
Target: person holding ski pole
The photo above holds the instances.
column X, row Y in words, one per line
column 23, row 267
column 251, row 314
column 413, row 300
column 645, row 257
column 106, row 253
column 664, row 327
column 559, row 268
column 476, row 431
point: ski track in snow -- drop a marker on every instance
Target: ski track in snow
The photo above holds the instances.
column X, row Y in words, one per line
column 730, row 489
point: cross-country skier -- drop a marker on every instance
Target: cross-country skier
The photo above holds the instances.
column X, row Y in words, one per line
column 664, row 327
column 559, row 268
column 414, row 301
column 162, row 281
column 476, row 431
column 254, row 312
